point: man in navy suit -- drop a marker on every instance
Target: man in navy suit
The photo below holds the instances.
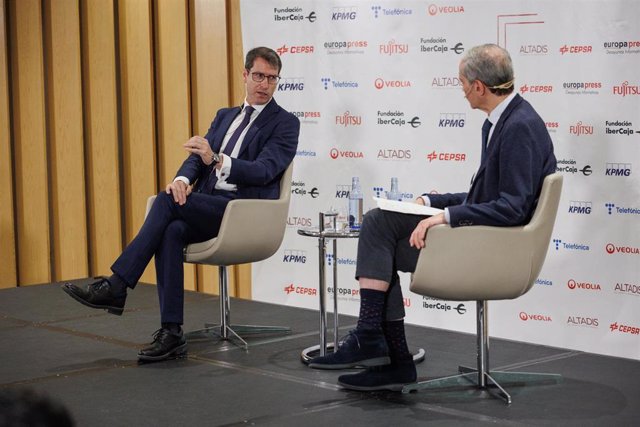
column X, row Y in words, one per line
column 243, row 155
column 517, row 153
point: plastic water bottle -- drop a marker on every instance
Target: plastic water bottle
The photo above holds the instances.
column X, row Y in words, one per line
column 355, row 204
column 394, row 194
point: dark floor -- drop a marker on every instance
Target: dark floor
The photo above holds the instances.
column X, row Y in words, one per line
column 86, row 359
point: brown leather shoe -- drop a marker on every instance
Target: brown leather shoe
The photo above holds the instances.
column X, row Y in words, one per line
column 97, row 295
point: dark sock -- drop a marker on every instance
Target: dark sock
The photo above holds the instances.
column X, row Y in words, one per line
column 172, row 327
column 118, row 286
column 397, row 341
column 371, row 309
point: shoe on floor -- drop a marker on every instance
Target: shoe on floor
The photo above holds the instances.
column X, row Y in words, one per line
column 361, row 347
column 389, row 377
column 97, row 295
column 165, row 345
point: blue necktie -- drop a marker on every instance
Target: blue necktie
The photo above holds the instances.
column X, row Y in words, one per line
column 486, row 127
column 236, row 134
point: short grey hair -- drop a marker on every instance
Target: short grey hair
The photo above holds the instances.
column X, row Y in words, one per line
column 490, row 64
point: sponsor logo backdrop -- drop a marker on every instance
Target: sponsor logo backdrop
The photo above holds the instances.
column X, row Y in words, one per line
column 375, row 85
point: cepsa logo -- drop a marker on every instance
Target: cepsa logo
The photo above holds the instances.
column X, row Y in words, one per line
column 381, row 83
column 535, row 317
column 294, row 49
column 586, row 286
column 626, row 89
column 334, row 153
column 544, row 89
column 291, row 85
column 434, row 9
column 292, row 14
column 446, row 157
column 611, row 249
column 576, row 49
column 300, row 290
column 625, row 329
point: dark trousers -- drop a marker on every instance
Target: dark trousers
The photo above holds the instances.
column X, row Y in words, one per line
column 167, row 229
column 383, row 250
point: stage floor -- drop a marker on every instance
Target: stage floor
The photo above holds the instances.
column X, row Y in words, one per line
column 86, row 360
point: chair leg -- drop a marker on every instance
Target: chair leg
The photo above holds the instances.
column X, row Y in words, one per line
column 225, row 330
column 481, row 377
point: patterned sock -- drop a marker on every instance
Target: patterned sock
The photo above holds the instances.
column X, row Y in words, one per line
column 118, row 286
column 371, row 309
column 397, row 341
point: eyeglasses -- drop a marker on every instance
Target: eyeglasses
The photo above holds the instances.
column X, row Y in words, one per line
column 259, row 77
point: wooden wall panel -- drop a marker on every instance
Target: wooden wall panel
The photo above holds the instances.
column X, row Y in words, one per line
column 30, row 137
column 8, row 276
column 172, row 95
column 209, row 86
column 101, row 134
column 65, row 135
column 138, row 114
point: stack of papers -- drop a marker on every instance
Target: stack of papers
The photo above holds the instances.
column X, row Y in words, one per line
column 406, row 207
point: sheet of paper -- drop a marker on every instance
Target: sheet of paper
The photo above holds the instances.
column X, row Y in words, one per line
column 406, row 207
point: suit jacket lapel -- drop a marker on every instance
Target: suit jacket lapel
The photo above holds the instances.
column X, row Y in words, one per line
column 262, row 118
column 218, row 136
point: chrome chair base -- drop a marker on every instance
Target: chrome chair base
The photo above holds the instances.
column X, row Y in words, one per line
column 235, row 332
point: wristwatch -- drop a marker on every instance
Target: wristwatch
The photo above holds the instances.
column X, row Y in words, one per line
column 215, row 157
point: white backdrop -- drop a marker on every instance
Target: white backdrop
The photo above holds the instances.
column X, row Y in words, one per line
column 375, row 86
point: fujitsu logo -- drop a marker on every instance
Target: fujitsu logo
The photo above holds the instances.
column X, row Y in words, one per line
column 347, row 119
column 572, row 284
column 581, row 129
column 536, row 317
column 626, row 89
column 393, row 48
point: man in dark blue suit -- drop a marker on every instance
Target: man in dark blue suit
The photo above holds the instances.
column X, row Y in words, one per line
column 517, row 153
column 243, row 155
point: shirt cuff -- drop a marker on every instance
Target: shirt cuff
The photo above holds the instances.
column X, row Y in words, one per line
column 426, row 200
column 183, row 179
column 225, row 169
column 447, row 216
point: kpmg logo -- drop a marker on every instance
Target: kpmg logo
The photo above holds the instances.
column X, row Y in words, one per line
column 396, row 118
column 535, row 317
column 347, row 119
column 335, row 84
column 543, row 89
column 342, row 191
column 381, row 83
column 393, row 154
column 344, row 13
column 452, row 120
column 446, row 157
column 569, row 166
column 626, row 89
column 624, row 329
column 434, row 9
column 617, row 169
column 295, row 256
column 334, row 153
column 292, row 14
column 294, row 49
column 298, row 189
column 393, row 48
column 613, row 249
column 575, row 49
column 559, row 244
column 396, row 11
column 585, row 286
column 341, row 47
column 444, row 82
column 533, row 49
column 617, row 127
column 612, row 208
column 440, row 305
column 291, row 85
column 439, row 45
column 589, row 322
column 622, row 47
column 581, row 129
column 582, row 88
column 579, row 207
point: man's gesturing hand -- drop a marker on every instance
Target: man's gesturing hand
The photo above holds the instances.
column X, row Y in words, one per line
column 417, row 237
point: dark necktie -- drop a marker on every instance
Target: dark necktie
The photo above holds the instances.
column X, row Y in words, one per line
column 236, row 134
column 486, row 127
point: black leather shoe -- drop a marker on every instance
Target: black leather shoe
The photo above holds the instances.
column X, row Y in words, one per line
column 97, row 295
column 165, row 345
column 390, row 377
column 362, row 347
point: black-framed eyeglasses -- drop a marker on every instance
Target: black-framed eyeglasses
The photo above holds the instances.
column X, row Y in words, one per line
column 259, row 77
